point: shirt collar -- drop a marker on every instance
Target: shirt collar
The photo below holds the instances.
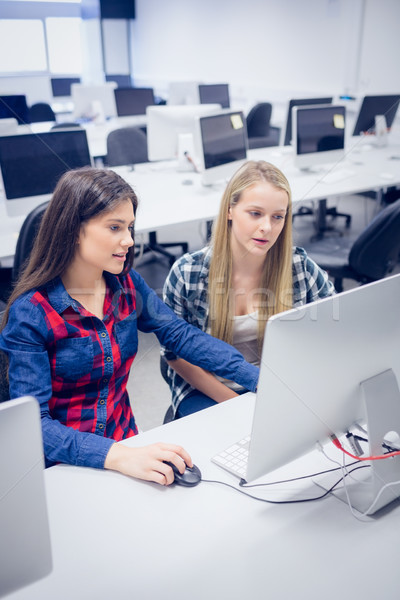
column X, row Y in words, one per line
column 61, row 300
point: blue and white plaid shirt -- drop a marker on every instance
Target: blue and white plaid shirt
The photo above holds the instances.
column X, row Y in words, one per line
column 185, row 291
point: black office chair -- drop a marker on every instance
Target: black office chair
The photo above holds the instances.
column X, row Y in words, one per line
column 4, row 389
column 373, row 255
column 26, row 238
column 41, row 111
column 128, row 146
column 259, row 131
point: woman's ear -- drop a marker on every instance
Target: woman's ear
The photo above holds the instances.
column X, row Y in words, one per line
column 230, row 214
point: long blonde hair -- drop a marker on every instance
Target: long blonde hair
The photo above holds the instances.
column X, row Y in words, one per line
column 276, row 282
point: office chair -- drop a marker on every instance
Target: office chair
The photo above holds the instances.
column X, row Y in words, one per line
column 4, row 389
column 128, row 146
column 373, row 255
column 27, row 237
column 41, row 111
column 169, row 415
column 259, row 131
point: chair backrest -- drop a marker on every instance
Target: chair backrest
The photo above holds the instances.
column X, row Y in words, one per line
column 126, row 146
column 27, row 237
column 376, row 251
column 41, row 111
column 258, row 120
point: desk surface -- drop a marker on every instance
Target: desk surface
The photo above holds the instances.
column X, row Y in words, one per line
column 168, row 197
column 114, row 536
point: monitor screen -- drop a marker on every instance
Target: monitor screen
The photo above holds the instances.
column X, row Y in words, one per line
column 133, row 101
column 89, row 100
column 120, row 80
column 14, row 107
column 373, row 106
column 222, row 142
column 165, row 125
column 319, row 134
column 216, row 93
column 346, row 339
column 31, row 164
column 61, row 86
column 287, row 136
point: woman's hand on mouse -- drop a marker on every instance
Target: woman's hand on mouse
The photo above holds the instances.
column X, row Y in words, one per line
column 148, row 462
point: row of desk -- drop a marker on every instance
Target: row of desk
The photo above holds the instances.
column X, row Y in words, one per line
column 168, row 197
column 113, row 536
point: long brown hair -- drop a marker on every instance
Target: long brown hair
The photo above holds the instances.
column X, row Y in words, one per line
column 80, row 195
column 276, row 282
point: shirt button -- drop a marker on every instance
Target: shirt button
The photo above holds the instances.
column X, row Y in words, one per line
column 102, row 401
column 108, row 359
column 105, row 380
column 103, row 334
column 101, row 426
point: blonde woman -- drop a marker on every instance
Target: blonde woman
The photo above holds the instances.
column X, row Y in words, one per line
column 249, row 272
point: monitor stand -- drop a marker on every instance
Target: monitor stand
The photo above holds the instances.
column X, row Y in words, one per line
column 366, row 487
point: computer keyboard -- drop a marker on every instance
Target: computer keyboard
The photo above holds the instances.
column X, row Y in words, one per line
column 234, row 458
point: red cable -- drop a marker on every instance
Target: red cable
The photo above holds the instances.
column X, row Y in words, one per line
column 380, row 457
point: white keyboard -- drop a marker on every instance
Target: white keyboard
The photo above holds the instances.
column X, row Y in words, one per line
column 234, row 458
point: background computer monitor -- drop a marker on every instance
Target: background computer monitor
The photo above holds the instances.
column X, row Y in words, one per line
column 88, row 99
column 313, row 361
column 216, row 93
column 120, row 80
column 31, row 165
column 371, row 107
column 165, row 125
column 133, row 101
column 319, row 135
column 61, row 86
column 16, row 107
column 222, row 142
column 183, row 92
column 287, row 136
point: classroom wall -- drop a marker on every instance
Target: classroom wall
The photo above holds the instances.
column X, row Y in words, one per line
column 329, row 46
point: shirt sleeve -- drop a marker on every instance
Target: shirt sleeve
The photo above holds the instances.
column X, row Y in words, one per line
column 24, row 339
column 188, row 342
column 319, row 285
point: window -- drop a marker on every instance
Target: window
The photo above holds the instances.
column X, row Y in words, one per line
column 22, row 45
column 64, row 42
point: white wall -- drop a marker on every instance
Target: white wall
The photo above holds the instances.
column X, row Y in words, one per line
column 266, row 46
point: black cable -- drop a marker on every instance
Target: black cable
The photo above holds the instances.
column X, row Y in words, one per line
column 286, row 501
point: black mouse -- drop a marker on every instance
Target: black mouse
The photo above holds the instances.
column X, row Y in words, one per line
column 190, row 477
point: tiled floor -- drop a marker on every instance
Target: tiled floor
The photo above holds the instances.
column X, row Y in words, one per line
column 148, row 391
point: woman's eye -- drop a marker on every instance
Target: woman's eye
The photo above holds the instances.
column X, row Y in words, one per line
column 114, row 227
column 254, row 213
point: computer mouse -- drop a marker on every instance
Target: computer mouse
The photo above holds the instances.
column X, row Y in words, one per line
column 190, row 477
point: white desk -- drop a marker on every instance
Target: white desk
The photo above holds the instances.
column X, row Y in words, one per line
column 117, row 537
column 166, row 199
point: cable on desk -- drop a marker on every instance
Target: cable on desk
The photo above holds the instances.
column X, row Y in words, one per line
column 287, row 501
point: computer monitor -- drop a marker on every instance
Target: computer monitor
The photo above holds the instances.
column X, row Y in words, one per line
column 287, row 136
column 31, row 165
column 216, row 93
column 319, row 135
column 133, row 101
column 373, row 106
column 167, row 124
column 121, row 80
column 89, row 100
column 326, row 366
column 222, row 145
column 61, row 86
column 183, row 92
column 8, row 126
column 15, row 107
column 25, row 549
